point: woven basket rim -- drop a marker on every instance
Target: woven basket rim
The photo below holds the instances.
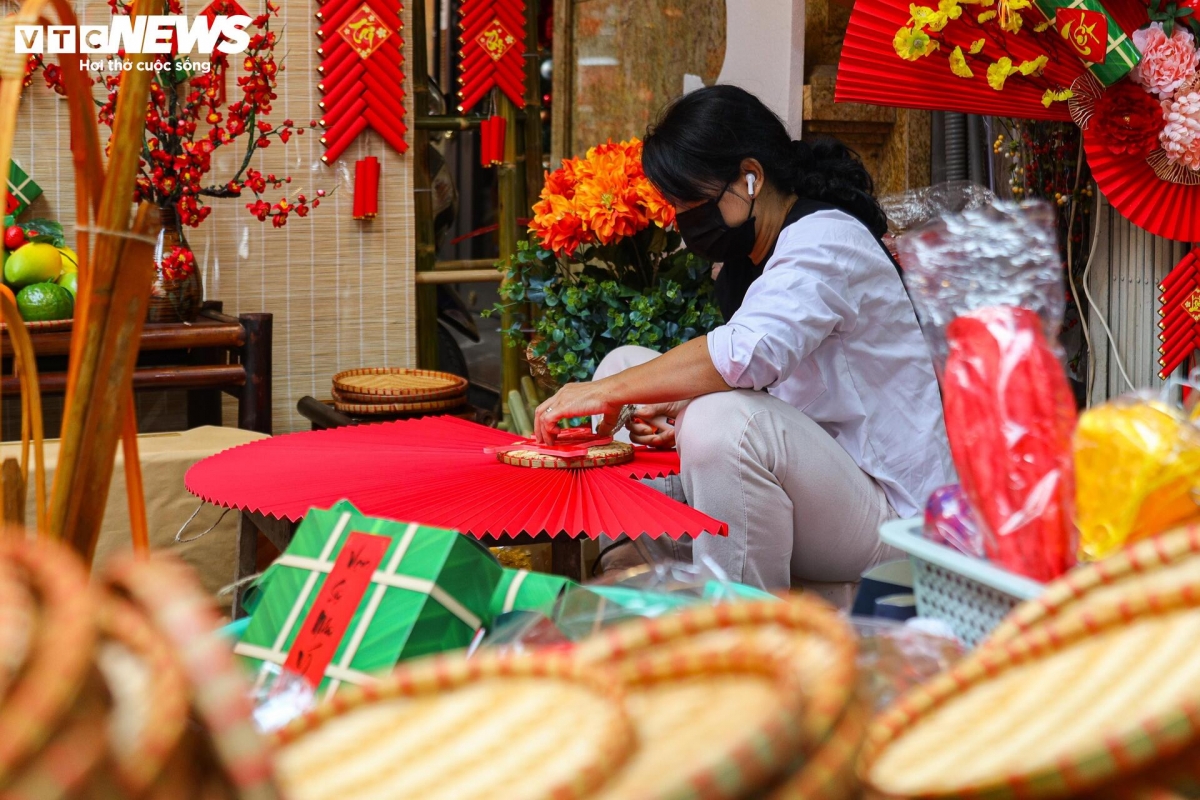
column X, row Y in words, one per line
column 1066, row 592
column 829, row 772
column 446, row 404
column 167, row 711
column 60, row 657
column 1091, row 768
column 452, row 384
column 18, row 615
column 800, row 613
column 439, row 674
column 746, row 764
column 621, row 453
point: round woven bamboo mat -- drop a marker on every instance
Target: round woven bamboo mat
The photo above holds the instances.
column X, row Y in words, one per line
column 605, row 455
column 1072, row 705
column 396, row 384
column 446, row 404
column 1161, row 564
column 818, row 645
column 447, row 728
column 710, row 724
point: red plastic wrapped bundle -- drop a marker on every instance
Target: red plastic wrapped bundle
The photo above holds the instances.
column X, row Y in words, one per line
column 1010, row 415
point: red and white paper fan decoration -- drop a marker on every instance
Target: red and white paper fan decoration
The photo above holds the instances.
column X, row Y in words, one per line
column 492, row 35
column 362, row 69
column 434, row 471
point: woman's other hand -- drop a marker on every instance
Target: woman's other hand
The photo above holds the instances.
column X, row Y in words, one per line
column 575, row 400
column 654, row 425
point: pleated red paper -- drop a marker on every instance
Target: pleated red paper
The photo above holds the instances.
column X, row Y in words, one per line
column 1170, row 210
column 871, row 72
column 434, row 471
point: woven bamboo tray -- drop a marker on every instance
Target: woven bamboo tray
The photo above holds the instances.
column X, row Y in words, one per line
column 1072, row 705
column 830, row 773
column 819, row 646
column 448, row 728
column 44, row 326
column 396, row 384
column 149, row 690
column 605, row 455
column 447, row 404
column 1163, row 563
column 710, row 724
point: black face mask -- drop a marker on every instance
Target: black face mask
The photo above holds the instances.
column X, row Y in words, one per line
column 706, row 233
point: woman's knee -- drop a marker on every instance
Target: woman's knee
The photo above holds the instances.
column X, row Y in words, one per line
column 712, row 426
column 622, row 358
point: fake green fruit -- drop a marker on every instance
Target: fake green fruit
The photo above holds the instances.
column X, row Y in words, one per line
column 45, row 301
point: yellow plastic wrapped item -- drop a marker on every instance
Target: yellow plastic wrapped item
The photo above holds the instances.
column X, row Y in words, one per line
column 1137, row 472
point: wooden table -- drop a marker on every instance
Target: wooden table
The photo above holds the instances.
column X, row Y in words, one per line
column 214, row 354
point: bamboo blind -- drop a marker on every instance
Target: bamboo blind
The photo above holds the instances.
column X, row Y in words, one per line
column 341, row 291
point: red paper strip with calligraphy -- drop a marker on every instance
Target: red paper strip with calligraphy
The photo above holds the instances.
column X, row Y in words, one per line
column 331, row 613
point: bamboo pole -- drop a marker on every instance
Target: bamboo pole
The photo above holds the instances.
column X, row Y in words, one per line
column 532, row 124
column 508, row 202
column 437, row 277
column 114, row 292
column 427, row 350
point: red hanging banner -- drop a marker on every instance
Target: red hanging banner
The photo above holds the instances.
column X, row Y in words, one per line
column 329, row 618
column 492, row 55
column 362, row 73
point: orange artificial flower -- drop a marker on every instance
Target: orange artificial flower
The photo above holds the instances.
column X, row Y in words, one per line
column 600, row 198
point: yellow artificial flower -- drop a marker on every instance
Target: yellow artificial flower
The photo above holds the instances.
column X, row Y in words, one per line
column 997, row 73
column 1052, row 96
column 986, row 16
column 911, row 44
column 1011, row 22
column 925, row 17
column 1042, row 27
column 1036, row 65
column 950, row 8
column 976, row 46
column 958, row 64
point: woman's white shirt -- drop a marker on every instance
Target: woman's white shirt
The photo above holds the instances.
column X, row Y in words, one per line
column 829, row 329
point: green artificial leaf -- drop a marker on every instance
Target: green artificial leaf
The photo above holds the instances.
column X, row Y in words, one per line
column 46, row 230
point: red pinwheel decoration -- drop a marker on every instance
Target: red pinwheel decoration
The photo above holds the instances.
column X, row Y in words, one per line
column 1180, row 312
column 492, row 34
column 362, row 68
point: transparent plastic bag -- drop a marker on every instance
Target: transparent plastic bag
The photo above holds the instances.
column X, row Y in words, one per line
column 280, row 698
column 949, row 520
column 649, row 591
column 895, row 657
column 1137, row 466
column 988, row 286
column 907, row 210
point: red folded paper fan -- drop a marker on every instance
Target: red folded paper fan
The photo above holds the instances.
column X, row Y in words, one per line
column 435, row 471
column 1133, row 188
column 870, row 71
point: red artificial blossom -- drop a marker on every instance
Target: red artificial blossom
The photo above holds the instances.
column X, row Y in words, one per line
column 186, row 123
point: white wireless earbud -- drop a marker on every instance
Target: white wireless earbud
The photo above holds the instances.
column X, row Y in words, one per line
column 750, row 183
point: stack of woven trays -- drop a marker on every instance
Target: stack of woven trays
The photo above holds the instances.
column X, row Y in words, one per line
column 118, row 688
column 395, row 391
column 1093, row 689
column 738, row 700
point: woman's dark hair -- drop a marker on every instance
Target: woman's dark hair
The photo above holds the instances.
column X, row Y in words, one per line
column 699, row 142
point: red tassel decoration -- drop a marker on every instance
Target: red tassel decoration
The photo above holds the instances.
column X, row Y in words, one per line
column 360, row 172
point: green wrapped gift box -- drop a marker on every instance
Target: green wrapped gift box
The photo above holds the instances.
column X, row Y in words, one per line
column 22, row 190
column 429, row 591
column 1120, row 54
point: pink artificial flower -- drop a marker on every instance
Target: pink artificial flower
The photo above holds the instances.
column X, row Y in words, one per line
column 1180, row 139
column 1167, row 62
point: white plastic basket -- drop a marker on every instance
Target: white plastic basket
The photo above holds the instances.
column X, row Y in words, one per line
column 968, row 594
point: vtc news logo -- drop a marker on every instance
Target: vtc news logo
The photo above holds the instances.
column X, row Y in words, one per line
column 147, row 34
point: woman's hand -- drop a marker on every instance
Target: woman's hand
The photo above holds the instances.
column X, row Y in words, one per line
column 576, row 400
column 654, row 425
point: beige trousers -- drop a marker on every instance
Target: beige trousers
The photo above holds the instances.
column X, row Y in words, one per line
column 799, row 510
